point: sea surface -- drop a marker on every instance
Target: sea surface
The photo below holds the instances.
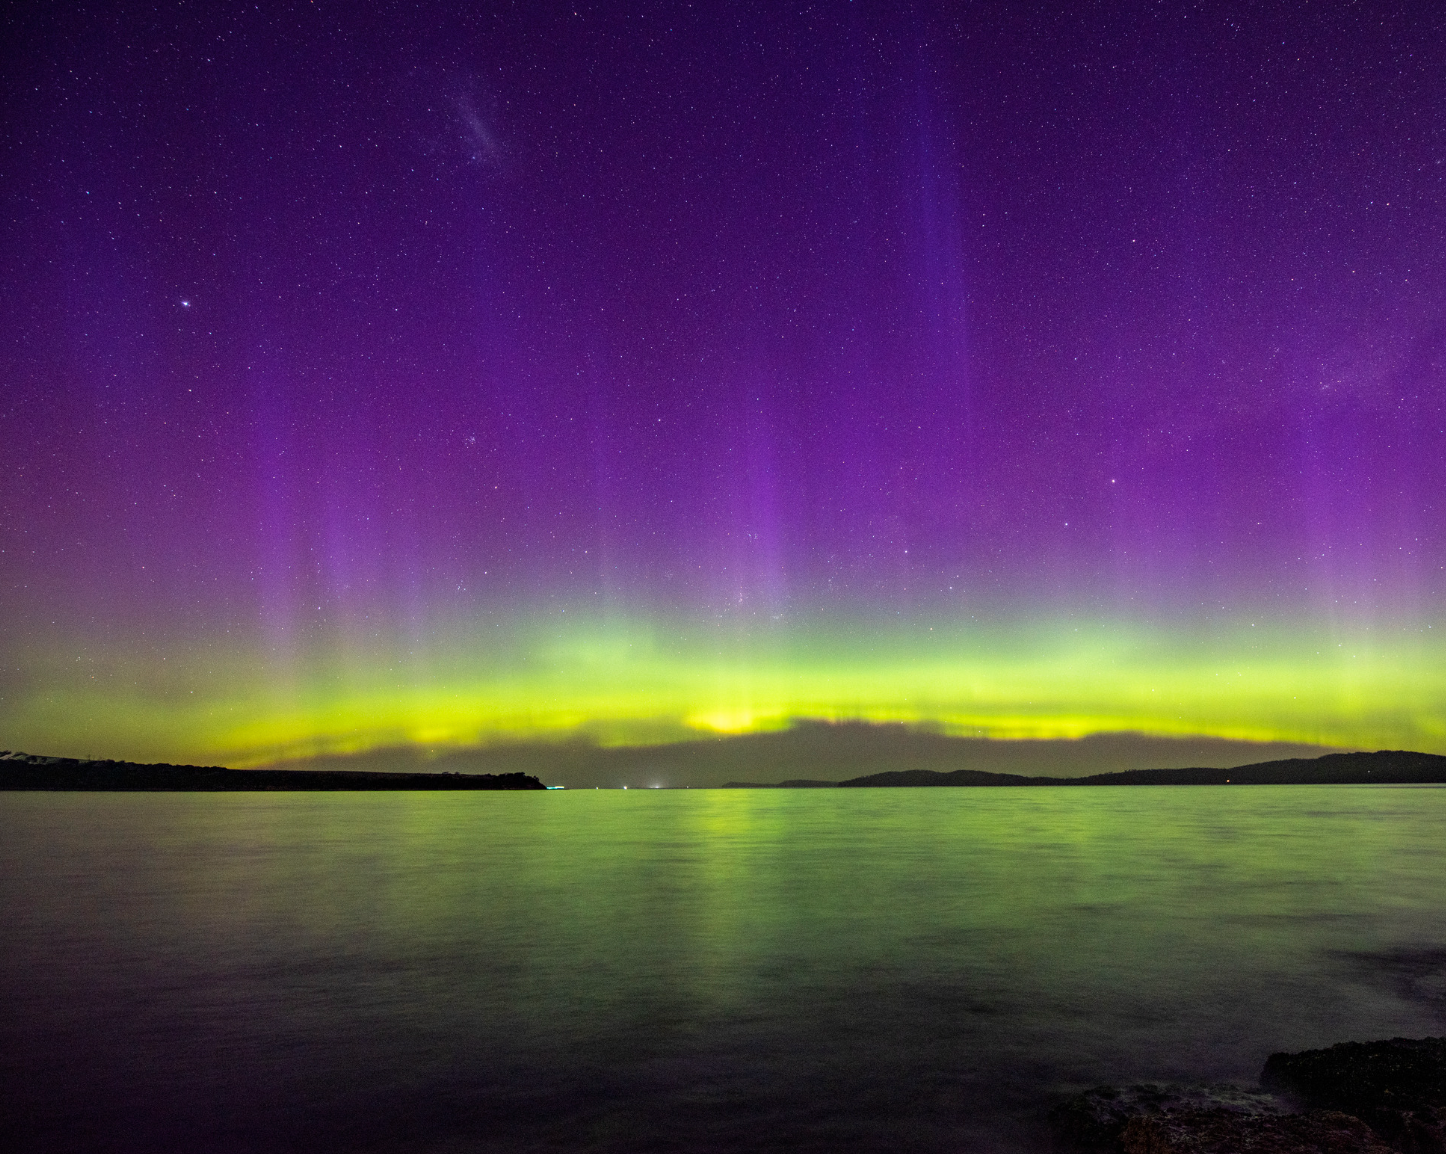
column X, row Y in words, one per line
column 689, row 970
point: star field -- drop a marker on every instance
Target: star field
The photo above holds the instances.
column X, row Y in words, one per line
column 440, row 373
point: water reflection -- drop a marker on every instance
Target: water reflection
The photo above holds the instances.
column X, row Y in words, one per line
column 689, row 969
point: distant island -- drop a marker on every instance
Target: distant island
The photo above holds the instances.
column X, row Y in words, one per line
column 32, row 772
column 1384, row 767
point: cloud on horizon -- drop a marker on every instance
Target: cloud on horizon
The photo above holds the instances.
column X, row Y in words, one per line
column 817, row 750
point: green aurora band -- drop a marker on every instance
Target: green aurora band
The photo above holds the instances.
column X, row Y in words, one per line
column 650, row 680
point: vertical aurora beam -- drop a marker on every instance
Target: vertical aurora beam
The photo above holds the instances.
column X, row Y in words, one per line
column 851, row 385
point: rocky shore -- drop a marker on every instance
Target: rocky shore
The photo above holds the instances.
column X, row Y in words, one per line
column 1386, row 1097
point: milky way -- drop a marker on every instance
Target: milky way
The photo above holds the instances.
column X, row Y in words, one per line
column 458, row 372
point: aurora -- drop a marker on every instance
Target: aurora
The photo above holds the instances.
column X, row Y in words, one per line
column 419, row 383
column 615, row 682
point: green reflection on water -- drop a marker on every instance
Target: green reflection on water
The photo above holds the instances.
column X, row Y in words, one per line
column 882, row 947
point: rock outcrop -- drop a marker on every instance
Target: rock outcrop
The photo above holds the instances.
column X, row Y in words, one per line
column 1398, row 1087
column 1225, row 1132
column 1097, row 1120
column 1386, row 1097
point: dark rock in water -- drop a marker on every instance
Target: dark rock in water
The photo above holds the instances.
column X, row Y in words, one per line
column 1406, row 1073
column 1097, row 1119
column 1397, row 1086
column 1229, row 1132
column 1360, row 1098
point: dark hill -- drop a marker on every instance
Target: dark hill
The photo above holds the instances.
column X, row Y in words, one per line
column 957, row 777
column 1384, row 767
column 27, row 771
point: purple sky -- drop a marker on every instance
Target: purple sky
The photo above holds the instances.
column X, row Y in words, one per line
column 328, row 322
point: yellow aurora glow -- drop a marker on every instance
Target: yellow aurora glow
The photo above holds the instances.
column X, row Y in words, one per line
column 637, row 681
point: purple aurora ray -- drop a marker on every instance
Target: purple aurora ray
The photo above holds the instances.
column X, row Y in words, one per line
column 431, row 374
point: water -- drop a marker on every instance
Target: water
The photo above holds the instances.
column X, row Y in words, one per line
column 841, row 970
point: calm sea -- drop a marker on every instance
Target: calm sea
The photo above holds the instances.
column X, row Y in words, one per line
column 840, row 970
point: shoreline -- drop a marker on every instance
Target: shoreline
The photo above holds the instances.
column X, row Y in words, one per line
column 29, row 772
column 22, row 771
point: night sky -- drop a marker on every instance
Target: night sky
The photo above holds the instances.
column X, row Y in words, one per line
column 434, row 374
